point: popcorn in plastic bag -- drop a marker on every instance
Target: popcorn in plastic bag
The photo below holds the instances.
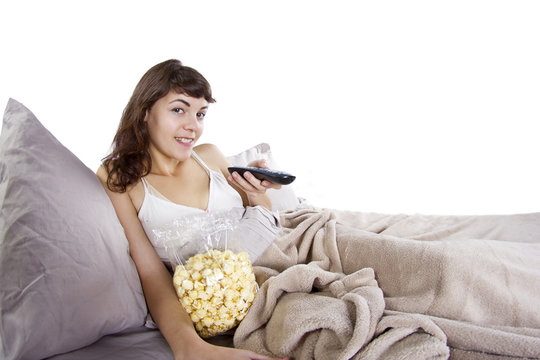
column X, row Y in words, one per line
column 213, row 277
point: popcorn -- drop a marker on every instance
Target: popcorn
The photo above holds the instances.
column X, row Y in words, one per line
column 216, row 289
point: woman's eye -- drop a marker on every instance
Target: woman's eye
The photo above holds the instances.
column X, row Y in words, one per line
column 201, row 115
column 178, row 110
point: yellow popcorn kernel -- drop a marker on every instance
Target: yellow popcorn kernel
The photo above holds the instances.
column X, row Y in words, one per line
column 231, row 294
column 187, row 285
column 211, row 290
column 198, row 257
column 197, row 266
column 218, row 294
column 228, row 268
column 199, row 286
column 245, row 292
column 230, row 304
column 236, row 275
column 181, row 272
column 242, row 305
column 216, row 301
column 212, row 311
column 246, row 284
column 196, row 304
column 247, row 270
column 226, row 282
column 236, row 286
column 201, row 313
column 207, row 321
column 223, row 312
column 207, row 272
column 196, row 275
column 186, row 301
column 218, row 274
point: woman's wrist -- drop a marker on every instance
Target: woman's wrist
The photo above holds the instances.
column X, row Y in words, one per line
column 260, row 200
column 191, row 346
column 182, row 343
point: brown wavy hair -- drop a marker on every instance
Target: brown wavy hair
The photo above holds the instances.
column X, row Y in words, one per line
column 129, row 159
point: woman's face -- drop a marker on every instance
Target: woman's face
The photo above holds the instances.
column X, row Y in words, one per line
column 175, row 123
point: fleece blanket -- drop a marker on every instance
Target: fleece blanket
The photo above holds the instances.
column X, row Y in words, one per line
column 350, row 285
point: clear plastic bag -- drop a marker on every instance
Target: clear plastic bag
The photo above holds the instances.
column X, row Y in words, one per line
column 213, row 276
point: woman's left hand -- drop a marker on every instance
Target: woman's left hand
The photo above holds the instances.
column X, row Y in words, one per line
column 254, row 188
column 249, row 183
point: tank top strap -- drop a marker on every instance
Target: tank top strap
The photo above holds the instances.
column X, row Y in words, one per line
column 200, row 161
column 145, row 185
column 150, row 190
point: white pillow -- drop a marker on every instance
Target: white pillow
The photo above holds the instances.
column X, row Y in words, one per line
column 282, row 199
column 65, row 272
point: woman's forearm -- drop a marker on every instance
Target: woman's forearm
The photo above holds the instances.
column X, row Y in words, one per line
column 167, row 312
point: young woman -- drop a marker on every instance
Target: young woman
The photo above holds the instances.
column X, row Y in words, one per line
column 155, row 173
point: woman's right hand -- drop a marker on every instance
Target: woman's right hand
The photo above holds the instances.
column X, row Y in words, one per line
column 206, row 351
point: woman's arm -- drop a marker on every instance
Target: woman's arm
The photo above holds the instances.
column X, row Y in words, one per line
column 251, row 189
column 172, row 320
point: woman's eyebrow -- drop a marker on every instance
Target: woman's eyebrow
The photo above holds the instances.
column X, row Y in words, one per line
column 187, row 104
column 183, row 101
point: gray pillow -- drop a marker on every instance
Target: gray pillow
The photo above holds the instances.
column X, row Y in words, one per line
column 66, row 277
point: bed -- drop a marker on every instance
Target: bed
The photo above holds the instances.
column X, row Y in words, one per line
column 334, row 284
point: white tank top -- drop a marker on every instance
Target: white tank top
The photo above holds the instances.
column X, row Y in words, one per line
column 157, row 211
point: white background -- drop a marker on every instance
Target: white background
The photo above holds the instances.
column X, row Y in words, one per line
column 388, row 106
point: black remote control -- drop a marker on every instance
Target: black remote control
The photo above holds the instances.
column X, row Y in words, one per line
column 274, row 176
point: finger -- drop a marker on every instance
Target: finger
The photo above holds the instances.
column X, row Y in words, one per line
column 255, row 356
column 238, row 179
column 270, row 185
column 253, row 181
column 242, row 182
column 261, row 357
column 263, row 163
column 260, row 163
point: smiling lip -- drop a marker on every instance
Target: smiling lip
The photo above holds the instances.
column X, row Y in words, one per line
column 184, row 141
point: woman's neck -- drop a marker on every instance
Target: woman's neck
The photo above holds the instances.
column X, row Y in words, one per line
column 166, row 166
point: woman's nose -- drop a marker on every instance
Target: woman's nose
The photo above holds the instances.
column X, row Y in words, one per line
column 191, row 122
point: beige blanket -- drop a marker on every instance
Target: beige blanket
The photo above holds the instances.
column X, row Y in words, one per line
column 350, row 285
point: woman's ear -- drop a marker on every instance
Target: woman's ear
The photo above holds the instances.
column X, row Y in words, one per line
column 146, row 115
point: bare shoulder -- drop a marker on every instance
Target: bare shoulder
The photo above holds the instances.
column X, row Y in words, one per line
column 134, row 193
column 212, row 156
column 103, row 176
column 208, row 150
column 102, row 173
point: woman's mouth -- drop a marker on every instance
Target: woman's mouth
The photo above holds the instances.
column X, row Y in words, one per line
column 184, row 141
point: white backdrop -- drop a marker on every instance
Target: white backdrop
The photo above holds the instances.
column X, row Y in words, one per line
column 388, row 106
